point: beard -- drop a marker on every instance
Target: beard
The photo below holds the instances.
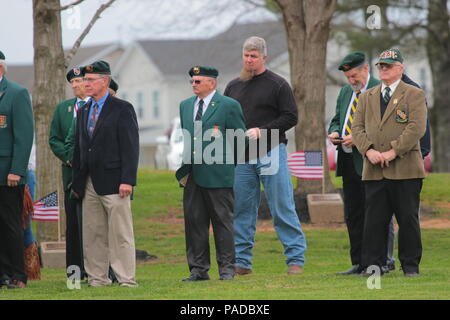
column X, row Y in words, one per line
column 246, row 74
column 357, row 87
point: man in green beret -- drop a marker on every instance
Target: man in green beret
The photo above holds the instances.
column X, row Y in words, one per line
column 349, row 162
column 208, row 176
column 66, row 113
column 388, row 124
column 16, row 136
column 105, row 166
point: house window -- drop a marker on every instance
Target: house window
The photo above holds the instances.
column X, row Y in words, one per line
column 156, row 104
column 140, row 105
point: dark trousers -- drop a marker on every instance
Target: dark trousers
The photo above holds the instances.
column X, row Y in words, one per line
column 12, row 264
column 203, row 206
column 383, row 199
column 354, row 198
column 74, row 243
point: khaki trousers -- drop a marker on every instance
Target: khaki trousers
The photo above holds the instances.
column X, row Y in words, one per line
column 108, row 238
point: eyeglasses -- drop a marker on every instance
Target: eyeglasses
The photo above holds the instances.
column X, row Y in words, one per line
column 197, row 81
column 91, row 79
column 385, row 65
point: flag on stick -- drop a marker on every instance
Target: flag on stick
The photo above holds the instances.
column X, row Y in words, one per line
column 306, row 164
column 47, row 208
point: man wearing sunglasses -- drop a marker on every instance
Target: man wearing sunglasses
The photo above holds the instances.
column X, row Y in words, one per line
column 105, row 166
column 207, row 118
column 389, row 122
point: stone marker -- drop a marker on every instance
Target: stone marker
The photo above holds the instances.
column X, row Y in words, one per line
column 53, row 255
column 325, row 208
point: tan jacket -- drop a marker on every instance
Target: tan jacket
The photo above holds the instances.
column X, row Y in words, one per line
column 401, row 128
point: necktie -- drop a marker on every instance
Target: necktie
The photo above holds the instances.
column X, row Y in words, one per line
column 78, row 106
column 348, row 125
column 93, row 120
column 387, row 95
column 199, row 114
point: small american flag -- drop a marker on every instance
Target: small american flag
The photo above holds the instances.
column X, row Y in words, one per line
column 47, row 208
column 306, row 164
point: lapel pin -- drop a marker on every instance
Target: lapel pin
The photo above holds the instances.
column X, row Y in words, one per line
column 395, row 101
column 69, row 109
column 213, row 104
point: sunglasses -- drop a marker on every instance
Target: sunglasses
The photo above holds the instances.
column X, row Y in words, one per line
column 197, row 81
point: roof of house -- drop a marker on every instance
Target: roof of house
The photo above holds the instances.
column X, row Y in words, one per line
column 223, row 51
column 24, row 74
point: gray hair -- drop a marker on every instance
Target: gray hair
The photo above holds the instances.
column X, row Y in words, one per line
column 256, row 44
column 5, row 67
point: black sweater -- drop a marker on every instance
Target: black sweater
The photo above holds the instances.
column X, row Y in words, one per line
column 267, row 102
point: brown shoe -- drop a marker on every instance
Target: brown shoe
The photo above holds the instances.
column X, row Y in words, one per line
column 294, row 269
column 16, row 284
column 242, row 271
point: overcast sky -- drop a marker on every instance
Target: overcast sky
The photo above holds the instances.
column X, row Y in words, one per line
column 125, row 21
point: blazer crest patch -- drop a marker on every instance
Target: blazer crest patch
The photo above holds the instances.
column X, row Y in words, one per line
column 3, row 123
column 401, row 116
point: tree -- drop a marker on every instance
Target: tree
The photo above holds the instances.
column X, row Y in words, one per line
column 438, row 50
column 307, row 24
column 50, row 65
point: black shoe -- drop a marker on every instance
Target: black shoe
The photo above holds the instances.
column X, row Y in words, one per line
column 196, row 277
column 16, row 284
column 385, row 269
column 227, row 276
column 365, row 273
column 391, row 266
column 356, row 269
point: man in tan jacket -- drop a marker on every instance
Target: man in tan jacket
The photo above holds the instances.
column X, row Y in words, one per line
column 389, row 121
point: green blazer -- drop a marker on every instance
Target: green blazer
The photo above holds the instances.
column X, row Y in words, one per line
column 338, row 122
column 59, row 128
column 222, row 113
column 16, row 130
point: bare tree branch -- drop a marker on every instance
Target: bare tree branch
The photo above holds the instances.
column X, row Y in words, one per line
column 70, row 5
column 77, row 43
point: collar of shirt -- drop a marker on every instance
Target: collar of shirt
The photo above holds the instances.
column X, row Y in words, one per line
column 206, row 101
column 100, row 104
column 392, row 86
column 77, row 105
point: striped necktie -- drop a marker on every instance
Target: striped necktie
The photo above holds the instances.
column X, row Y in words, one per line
column 387, row 95
column 199, row 114
column 93, row 120
column 348, row 125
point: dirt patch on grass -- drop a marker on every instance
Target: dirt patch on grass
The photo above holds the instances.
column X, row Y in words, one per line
column 428, row 220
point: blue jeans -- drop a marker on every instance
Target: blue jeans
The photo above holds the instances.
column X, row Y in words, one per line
column 273, row 172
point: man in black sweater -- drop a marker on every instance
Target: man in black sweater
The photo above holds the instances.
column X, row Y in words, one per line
column 269, row 110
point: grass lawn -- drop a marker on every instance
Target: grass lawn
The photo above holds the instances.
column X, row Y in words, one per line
column 159, row 229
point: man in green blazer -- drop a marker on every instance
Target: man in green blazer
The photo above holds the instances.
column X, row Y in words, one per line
column 65, row 113
column 16, row 140
column 389, row 122
column 349, row 161
column 207, row 172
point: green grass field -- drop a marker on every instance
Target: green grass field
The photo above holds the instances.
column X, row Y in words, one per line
column 159, row 229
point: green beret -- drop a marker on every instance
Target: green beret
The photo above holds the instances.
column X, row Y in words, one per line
column 113, row 85
column 98, row 67
column 352, row 60
column 74, row 73
column 204, row 71
column 2, row 56
column 390, row 56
